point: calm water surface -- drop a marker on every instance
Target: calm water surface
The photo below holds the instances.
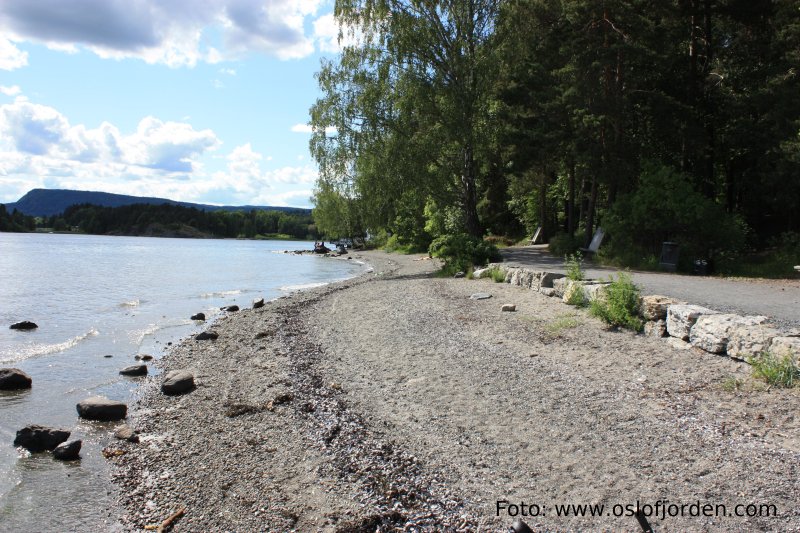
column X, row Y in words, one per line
column 94, row 297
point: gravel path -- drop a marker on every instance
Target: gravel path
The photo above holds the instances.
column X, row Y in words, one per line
column 778, row 299
column 394, row 402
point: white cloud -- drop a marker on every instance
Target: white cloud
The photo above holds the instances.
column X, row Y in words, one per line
column 36, row 130
column 306, row 128
column 228, row 71
column 173, row 32
column 11, row 57
column 39, row 147
column 14, row 90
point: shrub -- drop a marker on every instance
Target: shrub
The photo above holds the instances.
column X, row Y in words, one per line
column 779, row 371
column 497, row 275
column 666, row 207
column 620, row 306
column 573, row 264
column 563, row 244
column 461, row 251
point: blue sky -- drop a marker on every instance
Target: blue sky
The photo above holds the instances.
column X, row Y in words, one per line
column 195, row 100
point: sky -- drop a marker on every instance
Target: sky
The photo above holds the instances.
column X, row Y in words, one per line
column 193, row 100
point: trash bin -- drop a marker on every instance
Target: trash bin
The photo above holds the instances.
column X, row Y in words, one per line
column 669, row 256
column 700, row 267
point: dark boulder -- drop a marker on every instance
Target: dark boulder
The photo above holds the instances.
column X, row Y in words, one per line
column 231, row 308
column 68, row 451
column 24, row 325
column 14, row 379
column 258, row 303
column 199, row 316
column 134, row 370
column 101, row 408
column 177, row 382
column 206, row 336
column 40, row 438
column 143, row 357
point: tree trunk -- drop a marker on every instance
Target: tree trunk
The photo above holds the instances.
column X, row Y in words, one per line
column 590, row 212
column 471, row 220
column 571, row 198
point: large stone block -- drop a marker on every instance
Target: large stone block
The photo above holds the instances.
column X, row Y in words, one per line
column 560, row 285
column 654, row 306
column 712, row 332
column 745, row 341
column 785, row 346
column 548, row 279
column 681, row 318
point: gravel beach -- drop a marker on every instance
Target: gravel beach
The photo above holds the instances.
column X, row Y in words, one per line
column 394, row 402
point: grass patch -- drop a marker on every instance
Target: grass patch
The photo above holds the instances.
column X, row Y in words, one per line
column 497, row 275
column 561, row 323
column 620, row 306
column 732, row 384
column 577, row 296
column 776, row 370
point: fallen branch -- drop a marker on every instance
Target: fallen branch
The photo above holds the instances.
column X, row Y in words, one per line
column 166, row 524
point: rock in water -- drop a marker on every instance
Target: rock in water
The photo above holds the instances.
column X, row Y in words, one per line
column 231, row 308
column 126, row 433
column 258, row 303
column 134, row 370
column 207, row 335
column 13, row 379
column 68, row 451
column 24, row 325
column 101, row 408
column 177, row 382
column 40, row 438
column 199, row 316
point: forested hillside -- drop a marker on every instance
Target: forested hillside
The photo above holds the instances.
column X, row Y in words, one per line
column 659, row 120
column 167, row 220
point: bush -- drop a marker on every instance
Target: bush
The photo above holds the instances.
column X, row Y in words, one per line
column 562, row 244
column 620, row 304
column 460, row 252
column 573, row 264
column 498, row 275
column 778, row 371
column 666, row 207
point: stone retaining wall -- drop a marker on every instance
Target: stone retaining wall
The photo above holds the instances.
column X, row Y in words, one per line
column 695, row 326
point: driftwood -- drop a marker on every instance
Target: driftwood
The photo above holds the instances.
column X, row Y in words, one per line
column 167, row 523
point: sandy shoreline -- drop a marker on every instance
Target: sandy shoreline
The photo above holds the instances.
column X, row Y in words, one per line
column 394, row 400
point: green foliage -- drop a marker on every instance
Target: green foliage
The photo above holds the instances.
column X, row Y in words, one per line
column 777, row 371
column 619, row 306
column 176, row 220
column 573, row 263
column 563, row 244
column 497, row 275
column 577, row 296
column 15, row 221
column 462, row 251
column 666, row 207
column 776, row 261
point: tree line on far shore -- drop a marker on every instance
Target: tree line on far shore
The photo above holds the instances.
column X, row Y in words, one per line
column 659, row 120
column 167, row 220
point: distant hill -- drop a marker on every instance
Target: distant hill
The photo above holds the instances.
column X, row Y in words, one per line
column 48, row 202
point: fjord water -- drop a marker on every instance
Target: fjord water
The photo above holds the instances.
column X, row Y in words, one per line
column 94, row 297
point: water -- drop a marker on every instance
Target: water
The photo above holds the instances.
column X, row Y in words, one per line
column 96, row 296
